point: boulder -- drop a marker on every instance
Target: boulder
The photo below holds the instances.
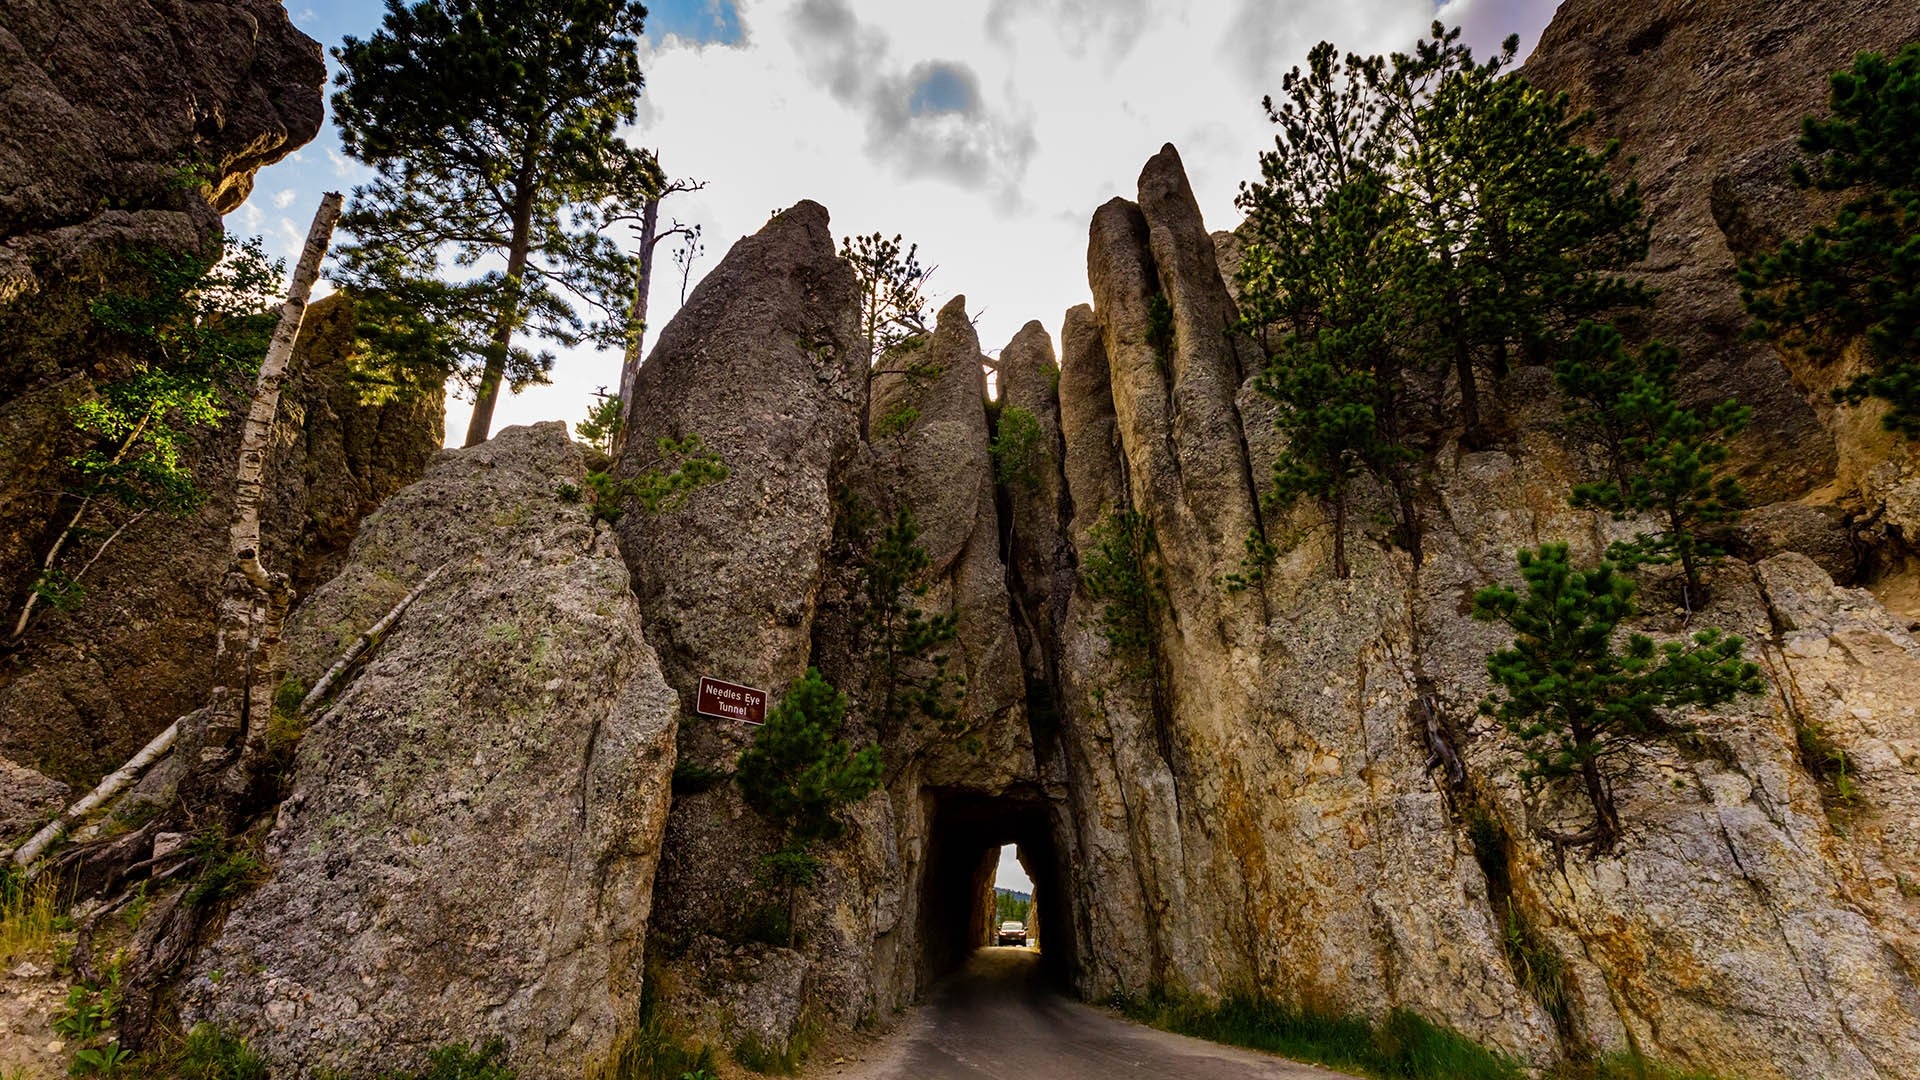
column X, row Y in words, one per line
column 469, row 842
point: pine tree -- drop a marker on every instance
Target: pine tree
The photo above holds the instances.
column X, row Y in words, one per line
column 893, row 302
column 1424, row 213
column 912, row 674
column 492, row 125
column 801, row 775
column 1663, row 459
column 1578, row 702
column 1319, row 270
column 1518, row 231
column 1857, row 276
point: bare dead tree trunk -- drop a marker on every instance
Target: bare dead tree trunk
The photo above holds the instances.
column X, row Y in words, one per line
column 114, row 784
column 254, row 603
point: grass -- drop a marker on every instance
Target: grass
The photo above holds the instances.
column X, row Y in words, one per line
column 651, row 1052
column 1405, row 1047
column 30, row 918
column 755, row 1056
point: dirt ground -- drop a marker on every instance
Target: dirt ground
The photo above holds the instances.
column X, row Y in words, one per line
column 30, row 991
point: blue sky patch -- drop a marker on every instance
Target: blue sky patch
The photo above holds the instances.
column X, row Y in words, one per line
column 944, row 87
column 703, row 22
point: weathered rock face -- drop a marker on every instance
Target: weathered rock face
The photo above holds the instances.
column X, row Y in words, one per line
column 1707, row 98
column 134, row 125
column 1264, row 802
column 469, row 845
column 130, row 123
column 90, row 685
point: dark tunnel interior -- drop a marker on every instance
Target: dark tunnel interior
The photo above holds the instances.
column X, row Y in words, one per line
column 967, row 832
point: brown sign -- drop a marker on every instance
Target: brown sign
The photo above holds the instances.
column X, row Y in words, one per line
column 731, row 701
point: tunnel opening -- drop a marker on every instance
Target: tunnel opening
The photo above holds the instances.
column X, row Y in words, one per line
column 958, row 909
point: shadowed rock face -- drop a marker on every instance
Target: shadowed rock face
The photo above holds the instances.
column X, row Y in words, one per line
column 130, row 123
column 1707, row 98
column 469, row 845
column 91, row 685
column 133, row 125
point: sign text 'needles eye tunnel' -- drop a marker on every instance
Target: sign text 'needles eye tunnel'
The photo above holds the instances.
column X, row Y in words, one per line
column 731, row 701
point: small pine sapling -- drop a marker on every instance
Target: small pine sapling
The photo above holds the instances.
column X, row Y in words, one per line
column 801, row 775
column 913, row 677
column 1574, row 698
column 1663, row 459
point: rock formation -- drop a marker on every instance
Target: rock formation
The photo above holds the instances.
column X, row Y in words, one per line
column 468, row 846
column 125, row 127
column 131, row 128
column 1707, row 99
column 1279, row 787
column 90, row 685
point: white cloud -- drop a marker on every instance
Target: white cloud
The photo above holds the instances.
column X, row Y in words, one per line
column 283, row 198
column 1032, row 113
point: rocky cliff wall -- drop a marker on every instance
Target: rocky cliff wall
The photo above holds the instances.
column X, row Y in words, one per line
column 133, row 125
column 88, row 686
column 1707, row 101
column 1272, row 781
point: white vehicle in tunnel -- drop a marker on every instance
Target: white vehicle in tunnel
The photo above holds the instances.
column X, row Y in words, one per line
column 1012, row 933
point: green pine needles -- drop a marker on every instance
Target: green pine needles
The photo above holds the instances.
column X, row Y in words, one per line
column 492, row 127
column 683, row 467
column 801, row 775
column 1857, row 276
column 1419, row 214
column 193, row 328
column 1662, row 459
column 1018, row 455
column 909, row 665
column 1117, row 575
column 1576, row 699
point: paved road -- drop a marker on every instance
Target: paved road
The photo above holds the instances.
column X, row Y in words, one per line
column 998, row 1019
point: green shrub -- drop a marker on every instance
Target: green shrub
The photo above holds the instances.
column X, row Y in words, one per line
column 1160, row 327
column 1017, row 453
column 226, row 866
column 682, row 467
column 1116, row 575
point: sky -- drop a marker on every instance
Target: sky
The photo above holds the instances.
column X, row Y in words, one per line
column 985, row 131
column 1010, row 874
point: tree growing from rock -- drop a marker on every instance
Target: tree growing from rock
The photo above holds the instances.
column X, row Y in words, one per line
column 893, row 291
column 1575, row 699
column 1422, row 212
column 193, row 330
column 1320, row 257
column 802, row 776
column 491, row 126
column 1662, row 458
column 1519, row 231
column 912, row 672
column 1857, row 275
